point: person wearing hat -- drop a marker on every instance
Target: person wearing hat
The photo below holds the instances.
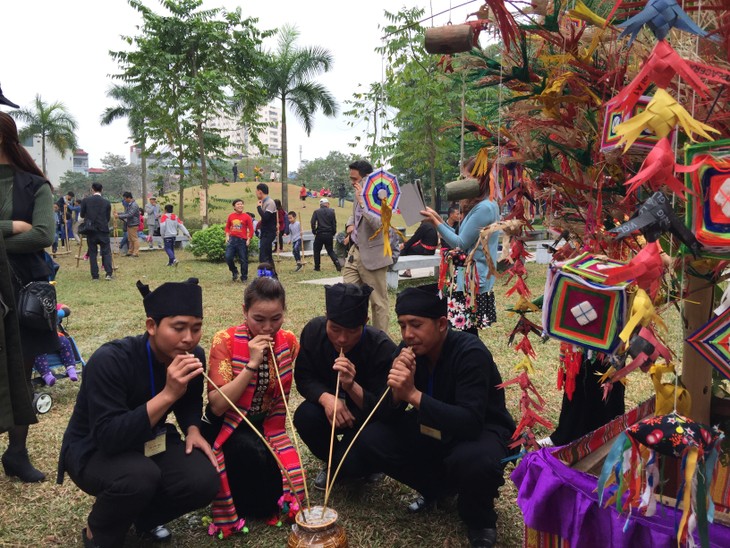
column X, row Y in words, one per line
column 131, row 217
column 455, row 434
column 119, row 446
column 340, row 343
column 324, row 228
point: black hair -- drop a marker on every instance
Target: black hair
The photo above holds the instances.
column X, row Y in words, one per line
column 293, row 214
column 17, row 155
column 70, row 193
column 96, row 187
column 277, row 202
column 264, row 289
column 452, row 209
column 234, row 202
column 263, row 187
column 362, row 167
column 168, row 208
column 127, row 194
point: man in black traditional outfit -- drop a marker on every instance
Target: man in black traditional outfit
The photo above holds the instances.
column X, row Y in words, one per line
column 340, row 342
column 455, row 435
column 118, row 446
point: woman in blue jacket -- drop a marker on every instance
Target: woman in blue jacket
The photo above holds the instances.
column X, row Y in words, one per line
column 477, row 213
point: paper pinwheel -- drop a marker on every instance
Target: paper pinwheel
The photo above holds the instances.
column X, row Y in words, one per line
column 712, row 340
column 659, row 68
column 380, row 185
column 658, row 170
column 660, row 16
column 661, row 115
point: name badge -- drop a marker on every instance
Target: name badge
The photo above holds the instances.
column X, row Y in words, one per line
column 156, row 445
column 431, row 432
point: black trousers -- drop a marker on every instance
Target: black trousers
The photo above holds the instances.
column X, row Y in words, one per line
column 265, row 243
column 314, row 430
column 99, row 241
column 147, row 491
column 324, row 239
column 471, row 469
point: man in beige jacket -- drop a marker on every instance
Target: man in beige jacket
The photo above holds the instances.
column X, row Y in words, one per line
column 366, row 263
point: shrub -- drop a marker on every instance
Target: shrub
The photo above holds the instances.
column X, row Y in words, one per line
column 210, row 243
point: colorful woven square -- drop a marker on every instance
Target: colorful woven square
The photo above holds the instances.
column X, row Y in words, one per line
column 590, row 267
column 708, row 213
column 605, row 308
column 712, row 340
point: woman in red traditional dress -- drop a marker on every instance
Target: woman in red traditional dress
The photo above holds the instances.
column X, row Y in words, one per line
column 241, row 363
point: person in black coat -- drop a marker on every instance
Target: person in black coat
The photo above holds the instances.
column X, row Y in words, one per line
column 455, row 434
column 363, row 368
column 96, row 211
column 119, row 447
column 324, row 228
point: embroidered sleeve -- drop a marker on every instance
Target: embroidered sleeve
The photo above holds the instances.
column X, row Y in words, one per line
column 220, row 359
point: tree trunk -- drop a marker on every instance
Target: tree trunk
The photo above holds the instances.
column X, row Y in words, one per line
column 143, row 154
column 180, row 183
column 203, row 170
column 432, row 164
column 696, row 371
column 284, row 158
column 43, row 153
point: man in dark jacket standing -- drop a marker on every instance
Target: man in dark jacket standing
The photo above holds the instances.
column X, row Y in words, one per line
column 268, row 223
column 324, row 228
column 131, row 217
column 96, row 211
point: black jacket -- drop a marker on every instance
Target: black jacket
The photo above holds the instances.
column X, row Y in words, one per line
column 110, row 414
column 96, row 210
column 324, row 221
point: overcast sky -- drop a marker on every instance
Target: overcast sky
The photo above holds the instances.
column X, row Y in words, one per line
column 59, row 49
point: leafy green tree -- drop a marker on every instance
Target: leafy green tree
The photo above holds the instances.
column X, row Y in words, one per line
column 119, row 176
column 196, row 64
column 290, row 79
column 73, row 181
column 130, row 105
column 329, row 171
column 56, row 126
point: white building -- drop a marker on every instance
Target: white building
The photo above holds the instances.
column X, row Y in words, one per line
column 81, row 162
column 56, row 165
column 239, row 136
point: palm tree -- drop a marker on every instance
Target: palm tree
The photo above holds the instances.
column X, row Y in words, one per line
column 52, row 122
column 129, row 106
column 290, row 79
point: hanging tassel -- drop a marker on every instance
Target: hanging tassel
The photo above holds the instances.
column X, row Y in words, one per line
column 386, row 213
column 689, row 466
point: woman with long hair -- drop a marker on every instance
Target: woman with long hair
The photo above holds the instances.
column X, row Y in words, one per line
column 471, row 310
column 241, row 364
column 27, row 227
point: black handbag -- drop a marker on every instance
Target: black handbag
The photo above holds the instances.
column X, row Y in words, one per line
column 37, row 306
column 84, row 227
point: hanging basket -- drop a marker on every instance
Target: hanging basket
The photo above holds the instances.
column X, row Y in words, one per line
column 449, row 39
column 463, row 189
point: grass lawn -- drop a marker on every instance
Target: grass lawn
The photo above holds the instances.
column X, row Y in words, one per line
column 48, row 514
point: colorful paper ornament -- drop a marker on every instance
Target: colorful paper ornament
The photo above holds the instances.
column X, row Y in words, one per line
column 661, row 115
column 658, row 170
column 615, row 116
column 660, row 16
column 568, row 296
column 712, row 341
column 592, row 267
column 636, row 472
column 659, row 69
column 378, row 186
column 645, row 269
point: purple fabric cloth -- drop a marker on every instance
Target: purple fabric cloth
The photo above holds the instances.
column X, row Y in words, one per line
column 556, row 499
